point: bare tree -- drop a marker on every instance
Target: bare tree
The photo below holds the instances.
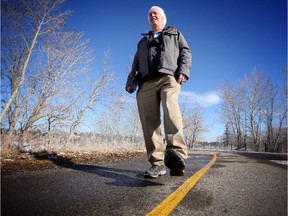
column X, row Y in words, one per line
column 98, row 90
column 47, row 82
column 254, row 100
column 255, row 107
column 275, row 116
column 193, row 124
column 25, row 23
column 112, row 122
column 232, row 110
column 51, row 88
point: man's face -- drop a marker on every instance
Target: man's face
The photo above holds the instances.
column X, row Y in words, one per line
column 155, row 17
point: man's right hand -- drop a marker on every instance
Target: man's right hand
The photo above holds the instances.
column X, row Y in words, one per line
column 129, row 89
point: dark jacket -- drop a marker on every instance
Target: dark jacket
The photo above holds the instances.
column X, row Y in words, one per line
column 175, row 57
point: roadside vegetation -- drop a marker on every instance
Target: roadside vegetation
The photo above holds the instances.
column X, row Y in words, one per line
column 254, row 111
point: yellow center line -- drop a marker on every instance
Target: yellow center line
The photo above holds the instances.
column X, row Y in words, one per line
column 170, row 203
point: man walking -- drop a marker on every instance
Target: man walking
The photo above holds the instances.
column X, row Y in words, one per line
column 161, row 63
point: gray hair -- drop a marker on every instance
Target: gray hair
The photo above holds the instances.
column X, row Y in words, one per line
column 161, row 12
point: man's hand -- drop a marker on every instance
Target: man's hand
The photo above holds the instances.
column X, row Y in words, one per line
column 182, row 78
column 129, row 88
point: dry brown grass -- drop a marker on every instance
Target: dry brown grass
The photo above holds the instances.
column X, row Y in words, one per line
column 44, row 160
column 51, row 152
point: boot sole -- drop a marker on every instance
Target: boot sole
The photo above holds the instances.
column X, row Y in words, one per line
column 174, row 162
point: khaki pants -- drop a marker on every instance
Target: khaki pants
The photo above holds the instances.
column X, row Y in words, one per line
column 151, row 93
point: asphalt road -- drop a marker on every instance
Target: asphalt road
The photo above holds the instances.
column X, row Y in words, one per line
column 234, row 185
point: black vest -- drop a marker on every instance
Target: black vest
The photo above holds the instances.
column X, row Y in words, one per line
column 154, row 47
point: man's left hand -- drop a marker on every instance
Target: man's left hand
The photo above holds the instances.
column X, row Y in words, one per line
column 182, row 78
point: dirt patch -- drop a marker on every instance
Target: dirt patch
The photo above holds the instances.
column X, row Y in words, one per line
column 46, row 160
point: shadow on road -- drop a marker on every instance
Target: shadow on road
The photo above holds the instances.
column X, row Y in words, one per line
column 121, row 177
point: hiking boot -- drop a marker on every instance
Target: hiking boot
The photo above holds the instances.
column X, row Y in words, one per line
column 177, row 172
column 155, row 171
column 174, row 162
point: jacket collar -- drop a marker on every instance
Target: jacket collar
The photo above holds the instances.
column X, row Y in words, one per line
column 166, row 30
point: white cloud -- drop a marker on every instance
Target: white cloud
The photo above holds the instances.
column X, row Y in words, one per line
column 204, row 100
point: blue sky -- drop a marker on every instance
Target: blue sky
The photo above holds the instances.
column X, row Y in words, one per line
column 227, row 40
